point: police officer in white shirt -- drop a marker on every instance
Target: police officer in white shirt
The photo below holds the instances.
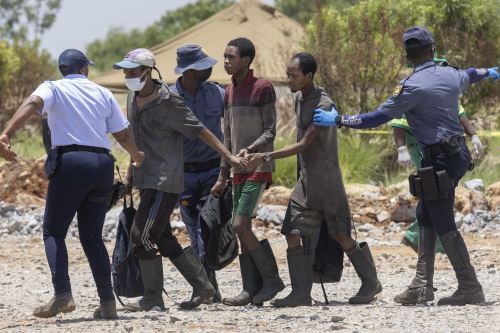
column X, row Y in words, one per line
column 80, row 168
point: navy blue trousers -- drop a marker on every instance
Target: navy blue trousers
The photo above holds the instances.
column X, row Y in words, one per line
column 196, row 186
column 438, row 214
column 79, row 176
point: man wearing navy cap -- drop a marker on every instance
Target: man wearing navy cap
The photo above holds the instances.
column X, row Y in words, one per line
column 80, row 169
column 428, row 98
column 201, row 162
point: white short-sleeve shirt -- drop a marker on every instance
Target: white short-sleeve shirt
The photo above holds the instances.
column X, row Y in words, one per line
column 80, row 112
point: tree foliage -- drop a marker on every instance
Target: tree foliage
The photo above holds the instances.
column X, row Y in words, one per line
column 27, row 19
column 29, row 67
column 117, row 41
column 302, row 10
column 23, row 66
column 360, row 51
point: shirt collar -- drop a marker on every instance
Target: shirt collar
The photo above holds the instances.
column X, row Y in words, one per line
column 180, row 89
column 424, row 65
column 247, row 81
column 75, row 76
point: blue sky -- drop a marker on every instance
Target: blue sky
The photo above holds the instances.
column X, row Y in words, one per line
column 80, row 22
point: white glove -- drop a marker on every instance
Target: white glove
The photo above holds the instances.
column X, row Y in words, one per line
column 404, row 157
column 478, row 146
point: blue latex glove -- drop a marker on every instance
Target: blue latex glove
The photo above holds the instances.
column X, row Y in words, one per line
column 325, row 118
column 493, row 73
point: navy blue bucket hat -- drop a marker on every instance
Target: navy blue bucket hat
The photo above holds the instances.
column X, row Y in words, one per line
column 193, row 57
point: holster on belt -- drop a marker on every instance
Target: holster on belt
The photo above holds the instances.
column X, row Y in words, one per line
column 429, row 184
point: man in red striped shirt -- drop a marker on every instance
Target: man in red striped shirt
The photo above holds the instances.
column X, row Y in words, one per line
column 249, row 127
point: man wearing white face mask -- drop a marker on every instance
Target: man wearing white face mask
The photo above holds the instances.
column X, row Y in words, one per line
column 160, row 120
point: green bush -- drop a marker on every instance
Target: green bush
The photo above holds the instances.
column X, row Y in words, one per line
column 286, row 168
column 361, row 55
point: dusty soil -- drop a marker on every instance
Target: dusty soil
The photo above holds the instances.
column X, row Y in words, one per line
column 25, row 284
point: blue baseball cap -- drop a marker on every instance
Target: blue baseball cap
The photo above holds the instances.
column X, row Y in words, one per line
column 419, row 36
column 73, row 60
column 193, row 57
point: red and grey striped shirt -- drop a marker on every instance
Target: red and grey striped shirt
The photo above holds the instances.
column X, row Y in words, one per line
column 250, row 119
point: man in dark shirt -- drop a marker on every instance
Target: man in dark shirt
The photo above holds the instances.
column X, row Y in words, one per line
column 160, row 120
column 319, row 195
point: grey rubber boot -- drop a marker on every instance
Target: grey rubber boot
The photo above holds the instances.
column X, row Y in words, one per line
column 421, row 289
column 362, row 261
column 191, row 268
column 272, row 284
column 106, row 310
column 152, row 278
column 252, row 282
column 469, row 289
column 61, row 303
column 301, row 278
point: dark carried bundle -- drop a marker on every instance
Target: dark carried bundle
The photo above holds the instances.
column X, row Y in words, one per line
column 220, row 242
column 125, row 270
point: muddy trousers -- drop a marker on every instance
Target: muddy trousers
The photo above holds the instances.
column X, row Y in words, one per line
column 151, row 232
column 81, row 181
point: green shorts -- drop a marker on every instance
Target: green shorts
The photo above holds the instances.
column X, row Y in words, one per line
column 246, row 196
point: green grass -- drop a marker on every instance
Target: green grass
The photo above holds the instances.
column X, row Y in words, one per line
column 363, row 158
column 488, row 167
column 286, row 168
column 28, row 143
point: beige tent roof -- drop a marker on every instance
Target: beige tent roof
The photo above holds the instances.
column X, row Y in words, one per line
column 275, row 36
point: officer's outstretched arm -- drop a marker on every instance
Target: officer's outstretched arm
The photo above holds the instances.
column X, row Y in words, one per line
column 479, row 74
column 29, row 107
column 364, row 120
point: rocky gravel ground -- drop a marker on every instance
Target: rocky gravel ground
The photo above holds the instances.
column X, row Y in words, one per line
column 25, row 284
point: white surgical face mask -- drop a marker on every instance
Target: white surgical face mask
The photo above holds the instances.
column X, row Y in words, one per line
column 136, row 83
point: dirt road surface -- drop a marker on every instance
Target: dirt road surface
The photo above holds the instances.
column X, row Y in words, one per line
column 25, row 284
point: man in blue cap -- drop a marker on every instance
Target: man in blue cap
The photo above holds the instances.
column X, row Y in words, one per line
column 80, row 169
column 201, row 162
column 428, row 98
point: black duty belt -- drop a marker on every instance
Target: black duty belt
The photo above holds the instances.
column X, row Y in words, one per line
column 202, row 166
column 70, row 148
column 430, row 152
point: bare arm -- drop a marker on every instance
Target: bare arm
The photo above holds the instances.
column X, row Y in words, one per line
column 29, row 107
column 468, row 127
column 399, row 136
column 126, row 140
column 210, row 139
column 297, row 148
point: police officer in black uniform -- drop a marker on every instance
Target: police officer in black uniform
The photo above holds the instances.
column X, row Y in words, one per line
column 429, row 100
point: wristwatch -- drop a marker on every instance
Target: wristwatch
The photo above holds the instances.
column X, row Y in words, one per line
column 338, row 120
column 267, row 157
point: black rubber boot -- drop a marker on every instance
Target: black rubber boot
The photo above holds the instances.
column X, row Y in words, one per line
column 272, row 284
column 301, row 278
column 61, row 303
column 191, row 268
column 362, row 261
column 152, row 278
column 469, row 289
column 421, row 289
column 213, row 281
column 106, row 310
column 252, row 282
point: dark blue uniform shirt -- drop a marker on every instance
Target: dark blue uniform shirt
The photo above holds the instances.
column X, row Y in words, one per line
column 208, row 107
column 429, row 100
